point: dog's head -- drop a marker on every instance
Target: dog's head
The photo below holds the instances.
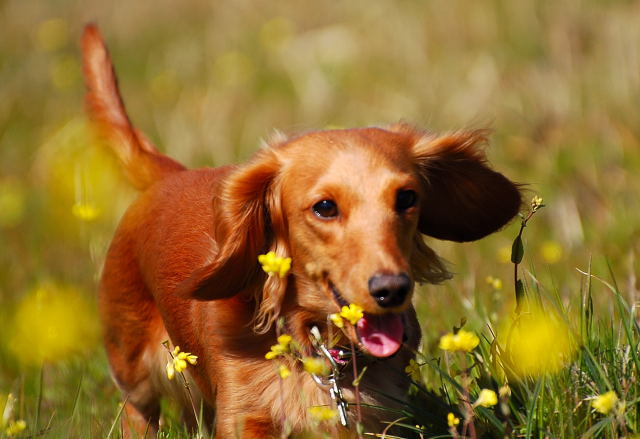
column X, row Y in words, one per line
column 349, row 208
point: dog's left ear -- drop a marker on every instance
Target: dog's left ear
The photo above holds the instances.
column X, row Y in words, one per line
column 464, row 198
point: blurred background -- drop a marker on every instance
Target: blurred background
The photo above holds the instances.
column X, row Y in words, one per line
column 557, row 81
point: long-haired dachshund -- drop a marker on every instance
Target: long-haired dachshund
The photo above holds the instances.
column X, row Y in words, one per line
column 349, row 207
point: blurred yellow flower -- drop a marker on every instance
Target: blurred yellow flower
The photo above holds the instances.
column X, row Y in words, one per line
column 51, row 323
column 504, row 254
column 315, row 366
column 283, row 371
column 74, row 169
column 15, row 427
column 461, row 341
column 605, row 403
column 536, row 342
column 279, row 349
column 322, row 413
column 504, row 391
column 452, row 420
column 52, row 34
column 179, row 362
column 337, row 320
column 275, row 265
column 486, row 398
column 413, row 370
column 496, row 283
column 352, row 313
column 85, row 211
column 550, row 252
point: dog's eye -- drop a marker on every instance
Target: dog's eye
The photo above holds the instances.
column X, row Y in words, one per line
column 405, row 200
column 325, row 209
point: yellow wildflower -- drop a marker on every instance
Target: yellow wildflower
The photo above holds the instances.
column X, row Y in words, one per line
column 452, row 420
column 279, row 349
column 536, row 342
column 284, row 340
column 551, row 252
column 337, row 320
column 495, row 282
column 352, row 313
column 85, row 211
column 504, row 391
column 315, row 366
column 283, row 371
column 322, row 413
column 275, row 265
column 179, row 362
column 461, row 341
column 15, row 427
column 486, row 398
column 605, row 403
column 52, row 323
column 504, row 254
column 536, row 203
column 413, row 370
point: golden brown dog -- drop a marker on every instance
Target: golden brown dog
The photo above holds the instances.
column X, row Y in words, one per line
column 348, row 206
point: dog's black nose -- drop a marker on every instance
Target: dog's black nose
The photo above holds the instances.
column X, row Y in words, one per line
column 389, row 289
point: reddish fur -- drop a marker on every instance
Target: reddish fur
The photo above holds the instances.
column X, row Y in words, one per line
column 183, row 262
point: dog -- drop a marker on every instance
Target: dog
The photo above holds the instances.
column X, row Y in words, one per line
column 348, row 206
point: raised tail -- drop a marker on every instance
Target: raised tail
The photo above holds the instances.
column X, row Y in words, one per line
column 143, row 163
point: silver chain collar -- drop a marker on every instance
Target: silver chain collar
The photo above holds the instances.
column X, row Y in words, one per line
column 331, row 380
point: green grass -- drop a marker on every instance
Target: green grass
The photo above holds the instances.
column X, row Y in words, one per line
column 557, row 81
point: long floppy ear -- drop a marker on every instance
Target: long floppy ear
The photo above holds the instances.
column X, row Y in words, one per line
column 242, row 229
column 464, row 198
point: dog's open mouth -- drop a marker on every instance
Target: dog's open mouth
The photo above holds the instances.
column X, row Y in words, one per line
column 378, row 335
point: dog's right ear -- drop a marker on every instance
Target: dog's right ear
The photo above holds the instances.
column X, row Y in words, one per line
column 242, row 229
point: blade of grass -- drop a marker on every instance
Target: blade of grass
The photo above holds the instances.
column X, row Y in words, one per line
column 117, row 418
column 532, row 408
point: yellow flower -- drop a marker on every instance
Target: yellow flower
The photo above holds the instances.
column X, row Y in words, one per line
column 461, row 341
column 283, row 371
column 15, row 427
column 452, row 421
column 605, row 403
column 52, row 323
column 337, row 320
column 413, row 370
column 536, row 342
column 279, row 349
column 495, row 282
column 322, row 413
column 284, row 340
column 536, row 203
column 315, row 366
column 352, row 313
column 504, row 254
column 179, row 362
column 85, row 211
column 551, row 252
column 171, row 372
column 275, row 265
column 504, row 391
column 486, row 398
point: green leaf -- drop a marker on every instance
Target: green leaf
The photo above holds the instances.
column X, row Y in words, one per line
column 517, row 250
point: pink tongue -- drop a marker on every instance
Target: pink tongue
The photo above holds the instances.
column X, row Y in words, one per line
column 381, row 335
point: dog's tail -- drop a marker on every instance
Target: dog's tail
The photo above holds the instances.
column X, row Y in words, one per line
column 142, row 162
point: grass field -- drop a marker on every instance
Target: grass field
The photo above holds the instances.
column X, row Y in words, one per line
column 557, row 81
